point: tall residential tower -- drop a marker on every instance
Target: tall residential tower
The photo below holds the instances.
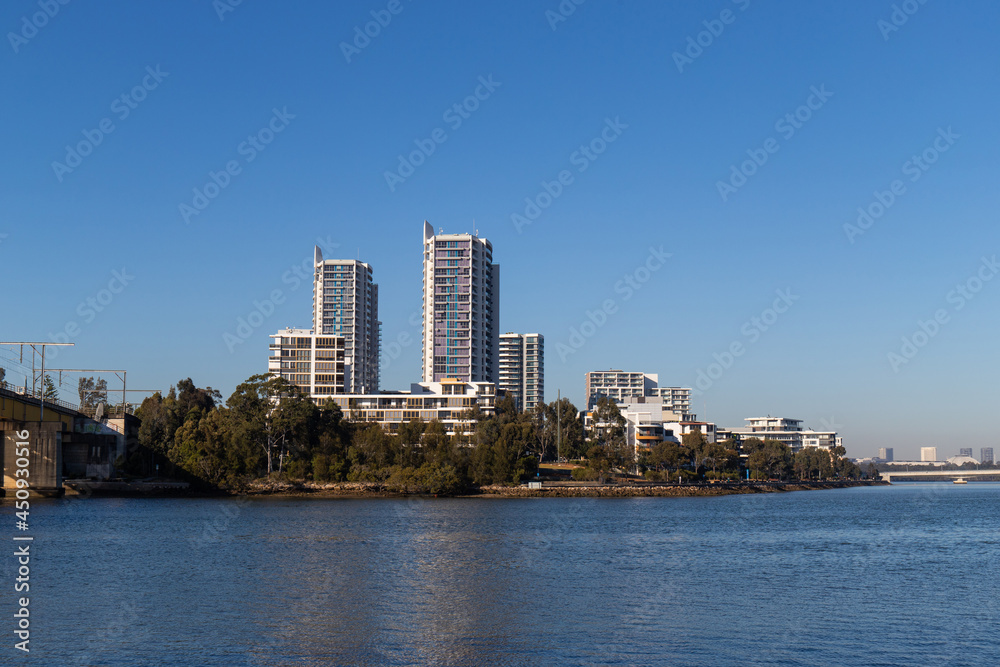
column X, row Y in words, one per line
column 522, row 369
column 345, row 303
column 461, row 308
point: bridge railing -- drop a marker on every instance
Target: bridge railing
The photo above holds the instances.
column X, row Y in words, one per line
column 110, row 411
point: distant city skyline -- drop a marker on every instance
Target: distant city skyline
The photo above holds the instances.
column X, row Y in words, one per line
column 794, row 216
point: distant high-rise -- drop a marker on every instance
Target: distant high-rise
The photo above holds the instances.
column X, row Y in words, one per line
column 928, row 454
column 345, row 303
column 885, row 453
column 461, row 308
column 522, row 369
column 986, row 455
column 965, row 451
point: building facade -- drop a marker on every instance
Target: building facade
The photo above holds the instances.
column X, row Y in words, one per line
column 461, row 308
column 521, row 373
column 965, row 451
column 345, row 304
column 928, row 454
column 787, row 431
column 677, row 398
column 315, row 364
column 885, row 454
column 619, row 386
column 986, row 455
column 447, row 401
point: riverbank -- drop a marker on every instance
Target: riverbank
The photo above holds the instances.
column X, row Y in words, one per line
column 551, row 489
column 266, row 488
column 564, row 490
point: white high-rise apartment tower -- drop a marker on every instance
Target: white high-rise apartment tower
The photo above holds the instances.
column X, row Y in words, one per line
column 345, row 303
column 522, row 369
column 461, row 308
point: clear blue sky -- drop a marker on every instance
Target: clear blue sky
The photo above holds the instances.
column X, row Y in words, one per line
column 323, row 176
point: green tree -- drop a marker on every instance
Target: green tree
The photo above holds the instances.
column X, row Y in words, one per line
column 558, row 418
column 408, row 439
column 773, row 459
column 250, row 408
column 608, row 432
column 597, row 460
column 695, row 445
column 91, row 393
column 49, row 391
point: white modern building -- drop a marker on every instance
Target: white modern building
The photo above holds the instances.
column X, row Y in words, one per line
column 448, row 401
column 522, row 369
column 928, row 454
column 316, row 364
column 787, row 431
column 345, row 303
column 653, row 419
column 620, row 386
column 678, row 398
column 461, row 308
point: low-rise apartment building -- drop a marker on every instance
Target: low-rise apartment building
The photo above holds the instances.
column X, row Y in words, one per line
column 618, row 385
column 787, row 431
column 447, row 401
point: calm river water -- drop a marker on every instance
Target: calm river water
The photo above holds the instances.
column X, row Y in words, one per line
column 898, row 575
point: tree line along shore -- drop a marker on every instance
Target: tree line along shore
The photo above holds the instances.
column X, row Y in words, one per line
column 270, row 435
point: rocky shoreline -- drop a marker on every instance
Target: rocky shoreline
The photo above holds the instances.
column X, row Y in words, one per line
column 664, row 490
column 548, row 490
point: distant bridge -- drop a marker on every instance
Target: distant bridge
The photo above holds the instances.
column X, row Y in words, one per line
column 937, row 475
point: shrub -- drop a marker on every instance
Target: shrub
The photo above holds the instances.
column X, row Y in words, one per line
column 321, row 468
column 430, row 478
